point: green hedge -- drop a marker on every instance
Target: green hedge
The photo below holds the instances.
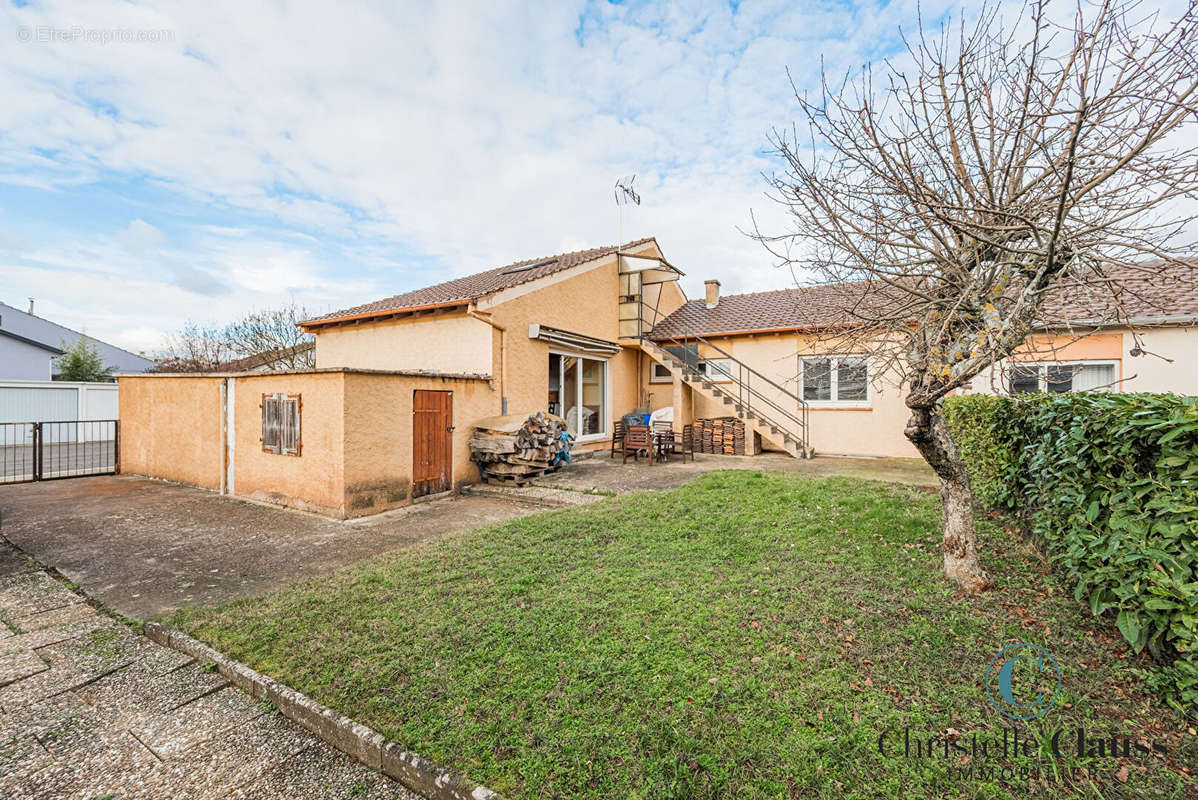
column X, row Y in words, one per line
column 978, row 423
column 1109, row 482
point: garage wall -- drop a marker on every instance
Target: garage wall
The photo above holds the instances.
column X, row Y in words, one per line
column 314, row 480
column 355, row 430
column 171, row 428
column 378, row 435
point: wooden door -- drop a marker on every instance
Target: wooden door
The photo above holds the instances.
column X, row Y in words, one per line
column 432, row 442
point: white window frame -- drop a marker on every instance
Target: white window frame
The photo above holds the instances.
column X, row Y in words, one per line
column 656, row 377
column 1042, row 372
column 605, row 421
column 719, row 377
column 660, row 373
column 835, row 390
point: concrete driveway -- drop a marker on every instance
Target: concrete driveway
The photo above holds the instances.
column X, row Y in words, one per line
column 145, row 547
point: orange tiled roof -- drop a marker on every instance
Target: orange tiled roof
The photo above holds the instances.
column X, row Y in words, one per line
column 472, row 287
column 1145, row 291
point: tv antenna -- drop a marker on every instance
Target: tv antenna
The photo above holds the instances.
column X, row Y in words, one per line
column 625, row 195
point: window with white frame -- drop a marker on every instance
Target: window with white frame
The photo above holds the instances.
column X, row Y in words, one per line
column 281, row 424
column 834, row 379
column 718, row 369
column 1061, row 378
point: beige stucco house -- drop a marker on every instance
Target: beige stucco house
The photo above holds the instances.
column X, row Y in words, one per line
column 589, row 335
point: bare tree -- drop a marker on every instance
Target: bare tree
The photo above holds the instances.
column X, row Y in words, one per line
column 269, row 339
column 274, row 335
column 195, row 348
column 995, row 175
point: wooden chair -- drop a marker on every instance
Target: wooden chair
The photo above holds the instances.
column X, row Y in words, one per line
column 636, row 439
column 684, row 443
column 617, row 437
column 663, row 436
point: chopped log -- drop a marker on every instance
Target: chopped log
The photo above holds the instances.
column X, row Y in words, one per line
column 492, row 442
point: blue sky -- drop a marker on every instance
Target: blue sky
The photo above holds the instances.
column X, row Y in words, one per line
column 243, row 156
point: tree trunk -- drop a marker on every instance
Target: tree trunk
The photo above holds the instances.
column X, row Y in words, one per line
column 928, row 431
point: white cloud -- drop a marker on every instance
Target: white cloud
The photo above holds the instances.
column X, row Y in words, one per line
column 141, row 237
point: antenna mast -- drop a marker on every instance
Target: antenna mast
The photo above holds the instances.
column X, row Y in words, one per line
column 625, row 194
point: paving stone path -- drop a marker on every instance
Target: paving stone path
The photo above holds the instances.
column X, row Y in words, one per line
column 89, row 710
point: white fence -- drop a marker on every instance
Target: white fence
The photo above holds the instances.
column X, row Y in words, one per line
column 58, row 401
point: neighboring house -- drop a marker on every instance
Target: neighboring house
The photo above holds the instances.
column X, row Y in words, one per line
column 589, row 335
column 30, row 346
column 24, row 359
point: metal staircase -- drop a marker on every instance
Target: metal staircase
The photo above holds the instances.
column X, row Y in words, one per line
column 785, row 428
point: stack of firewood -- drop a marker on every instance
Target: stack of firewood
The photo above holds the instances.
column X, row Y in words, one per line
column 514, row 449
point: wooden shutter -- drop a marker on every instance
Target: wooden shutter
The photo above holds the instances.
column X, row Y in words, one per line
column 289, row 440
column 281, row 424
column 271, row 417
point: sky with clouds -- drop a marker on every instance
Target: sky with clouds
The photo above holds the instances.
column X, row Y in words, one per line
column 217, row 157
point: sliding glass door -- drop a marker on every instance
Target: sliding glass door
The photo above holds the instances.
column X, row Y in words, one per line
column 578, row 392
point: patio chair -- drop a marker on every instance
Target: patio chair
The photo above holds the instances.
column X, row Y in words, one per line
column 684, row 443
column 617, row 437
column 663, row 437
column 637, row 439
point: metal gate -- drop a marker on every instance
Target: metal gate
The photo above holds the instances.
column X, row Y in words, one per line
column 42, row 451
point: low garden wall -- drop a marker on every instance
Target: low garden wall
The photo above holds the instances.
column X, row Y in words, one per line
column 1108, row 483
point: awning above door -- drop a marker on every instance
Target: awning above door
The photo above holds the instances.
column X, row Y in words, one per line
column 573, row 341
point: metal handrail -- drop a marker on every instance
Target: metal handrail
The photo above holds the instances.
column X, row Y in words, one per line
column 746, row 367
column 745, row 387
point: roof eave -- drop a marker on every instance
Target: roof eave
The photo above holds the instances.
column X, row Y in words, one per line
column 1148, row 320
column 753, row 331
column 34, row 342
column 311, row 324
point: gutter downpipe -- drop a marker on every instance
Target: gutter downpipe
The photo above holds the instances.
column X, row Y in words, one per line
column 224, row 435
column 228, row 434
column 472, row 311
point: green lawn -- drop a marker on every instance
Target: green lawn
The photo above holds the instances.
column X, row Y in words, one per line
column 748, row 635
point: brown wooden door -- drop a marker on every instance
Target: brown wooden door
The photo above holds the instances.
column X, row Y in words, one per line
column 432, row 442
